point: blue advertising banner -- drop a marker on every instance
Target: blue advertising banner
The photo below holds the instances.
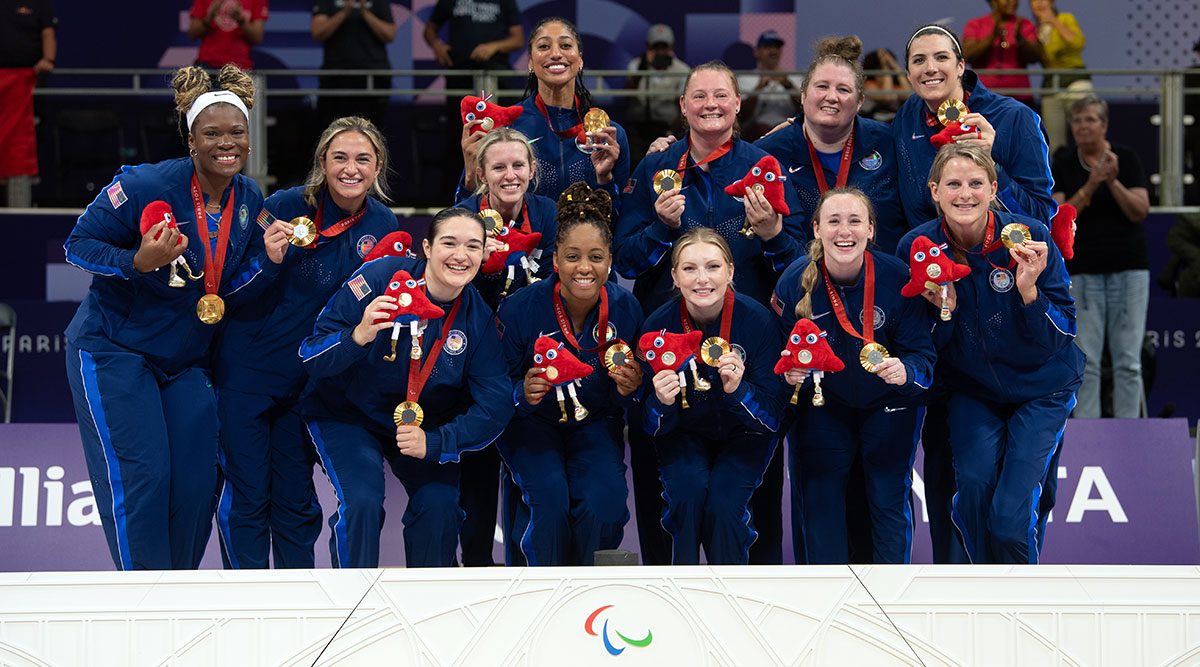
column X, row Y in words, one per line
column 1126, row 495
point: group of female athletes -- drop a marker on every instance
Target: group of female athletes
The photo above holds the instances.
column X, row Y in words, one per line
column 220, row 342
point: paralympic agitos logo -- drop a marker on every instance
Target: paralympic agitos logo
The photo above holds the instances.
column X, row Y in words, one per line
column 589, row 627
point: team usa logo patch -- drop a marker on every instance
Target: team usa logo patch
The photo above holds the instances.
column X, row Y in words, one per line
column 1001, row 280
column 872, row 161
column 612, row 332
column 116, row 196
column 366, row 243
column 456, row 342
column 243, row 216
column 880, row 317
column 359, row 287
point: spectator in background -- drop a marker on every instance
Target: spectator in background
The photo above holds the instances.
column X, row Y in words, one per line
column 482, row 34
column 27, row 49
column 1002, row 40
column 761, row 113
column 1111, row 270
column 1062, row 43
column 655, row 112
column 355, row 34
column 226, row 30
column 1181, row 276
column 881, row 101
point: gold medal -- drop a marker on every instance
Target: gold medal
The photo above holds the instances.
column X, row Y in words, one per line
column 1014, row 234
column 408, row 413
column 210, row 309
column 712, row 349
column 805, row 357
column 303, row 231
column 951, row 110
column 616, row 355
column 595, row 120
column 666, row 179
column 551, row 373
column 933, row 270
column 668, row 358
column 758, row 187
column 487, row 124
column 872, row 355
column 493, row 222
column 405, row 299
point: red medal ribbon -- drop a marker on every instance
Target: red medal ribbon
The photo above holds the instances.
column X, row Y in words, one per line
column 990, row 243
column 564, row 323
column 419, row 370
column 843, row 167
column 868, row 334
column 721, row 151
column 213, row 263
column 569, row 133
column 337, row 227
column 526, row 228
column 726, row 315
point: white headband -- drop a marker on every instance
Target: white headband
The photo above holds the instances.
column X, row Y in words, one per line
column 922, row 32
column 213, row 97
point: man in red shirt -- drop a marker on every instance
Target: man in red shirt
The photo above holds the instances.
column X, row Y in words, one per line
column 226, row 30
column 1002, row 40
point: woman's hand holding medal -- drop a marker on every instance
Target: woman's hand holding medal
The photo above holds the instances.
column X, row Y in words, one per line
column 627, row 377
column 375, row 318
column 410, row 440
column 1031, row 261
column 763, row 219
column 275, row 238
column 892, row 370
column 669, row 207
column 605, row 152
column 731, row 368
column 536, row 385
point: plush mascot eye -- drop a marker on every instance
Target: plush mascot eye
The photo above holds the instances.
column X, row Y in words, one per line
column 394, row 285
column 398, row 246
column 659, row 342
column 650, row 355
column 410, row 283
column 919, row 256
column 551, row 354
column 480, row 105
column 757, row 171
column 470, row 116
column 770, row 177
column 503, row 231
column 935, row 251
column 810, row 339
column 537, row 359
column 795, row 339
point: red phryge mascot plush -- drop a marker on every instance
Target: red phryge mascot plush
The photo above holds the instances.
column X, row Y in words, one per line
column 930, row 267
column 807, row 349
column 414, row 309
column 154, row 213
column 1062, row 230
column 396, row 244
column 562, row 368
column 671, row 351
column 492, row 115
column 766, row 177
column 519, row 250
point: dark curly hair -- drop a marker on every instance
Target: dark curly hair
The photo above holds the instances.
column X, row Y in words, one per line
column 581, row 205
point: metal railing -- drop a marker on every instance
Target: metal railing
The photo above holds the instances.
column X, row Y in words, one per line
column 1170, row 176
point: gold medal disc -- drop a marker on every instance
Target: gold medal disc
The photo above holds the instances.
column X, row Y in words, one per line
column 712, row 349
column 666, row 179
column 758, row 187
column 617, row 354
column 551, row 373
column 805, row 357
column 595, row 120
column 408, row 413
column 303, row 231
column 951, row 110
column 210, row 309
column 487, row 124
column 933, row 271
column 1014, row 234
column 872, row 355
column 492, row 220
column 668, row 358
column 405, row 299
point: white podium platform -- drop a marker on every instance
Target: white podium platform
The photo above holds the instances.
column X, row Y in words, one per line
column 935, row 615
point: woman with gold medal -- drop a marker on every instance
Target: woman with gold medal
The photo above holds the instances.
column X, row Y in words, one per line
column 170, row 245
column 366, row 407
column 714, row 442
column 873, row 409
column 1007, row 357
column 572, row 473
column 320, row 231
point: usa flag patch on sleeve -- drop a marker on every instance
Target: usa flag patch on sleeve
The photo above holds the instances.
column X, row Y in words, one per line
column 359, row 287
column 116, row 196
column 265, row 219
column 776, row 304
column 629, row 186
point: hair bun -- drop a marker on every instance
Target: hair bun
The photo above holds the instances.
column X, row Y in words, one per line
column 579, row 201
column 845, row 46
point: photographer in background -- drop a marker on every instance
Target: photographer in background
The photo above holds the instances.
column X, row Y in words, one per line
column 655, row 112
